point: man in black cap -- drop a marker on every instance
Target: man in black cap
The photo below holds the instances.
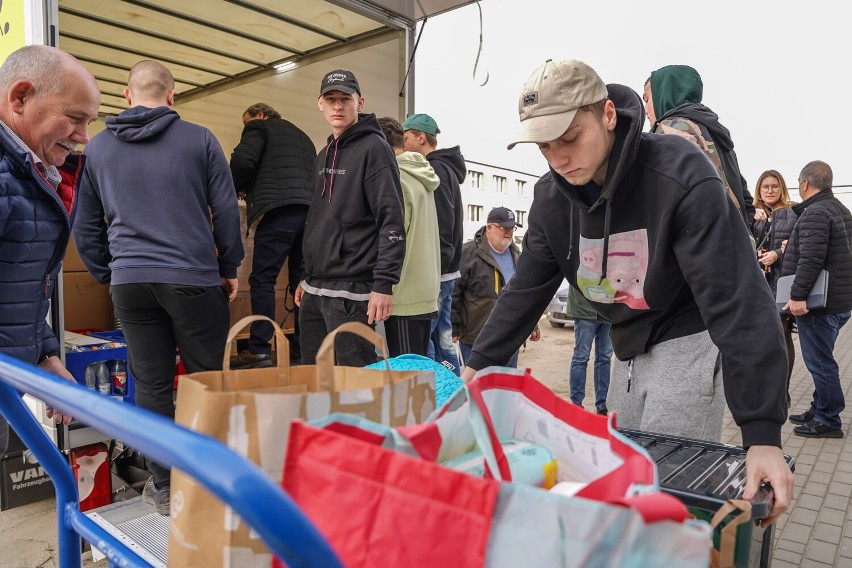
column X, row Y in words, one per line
column 354, row 242
column 487, row 264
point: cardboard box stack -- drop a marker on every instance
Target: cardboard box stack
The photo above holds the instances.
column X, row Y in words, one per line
column 86, row 303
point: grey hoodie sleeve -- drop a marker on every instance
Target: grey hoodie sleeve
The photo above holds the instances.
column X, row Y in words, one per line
column 222, row 198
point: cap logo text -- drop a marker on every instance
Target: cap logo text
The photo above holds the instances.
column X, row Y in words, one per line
column 335, row 77
column 531, row 99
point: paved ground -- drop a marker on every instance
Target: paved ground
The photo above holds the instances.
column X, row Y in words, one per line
column 815, row 533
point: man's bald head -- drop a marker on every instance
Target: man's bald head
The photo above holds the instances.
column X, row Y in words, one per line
column 152, row 82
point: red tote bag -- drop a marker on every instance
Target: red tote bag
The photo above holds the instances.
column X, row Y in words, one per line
column 383, row 508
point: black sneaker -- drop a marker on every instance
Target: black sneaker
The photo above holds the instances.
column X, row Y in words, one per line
column 814, row 429
column 802, row 418
column 249, row 360
column 158, row 498
column 603, row 411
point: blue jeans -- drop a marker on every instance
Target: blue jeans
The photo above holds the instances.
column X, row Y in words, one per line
column 817, row 335
column 467, row 348
column 586, row 331
column 441, row 347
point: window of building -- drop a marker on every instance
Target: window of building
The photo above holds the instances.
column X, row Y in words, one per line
column 475, row 179
column 520, row 217
column 500, row 184
column 520, row 186
column 474, row 212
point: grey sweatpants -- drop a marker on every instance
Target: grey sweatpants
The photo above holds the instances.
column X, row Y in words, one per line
column 675, row 389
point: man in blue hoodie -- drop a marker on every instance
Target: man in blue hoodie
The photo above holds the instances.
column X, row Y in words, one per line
column 354, row 243
column 153, row 186
column 635, row 222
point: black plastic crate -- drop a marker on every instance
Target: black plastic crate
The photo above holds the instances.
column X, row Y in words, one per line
column 704, row 475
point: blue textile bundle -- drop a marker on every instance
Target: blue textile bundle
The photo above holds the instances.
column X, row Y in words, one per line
column 446, row 382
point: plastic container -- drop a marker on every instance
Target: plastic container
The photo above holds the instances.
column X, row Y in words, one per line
column 704, row 476
column 78, row 361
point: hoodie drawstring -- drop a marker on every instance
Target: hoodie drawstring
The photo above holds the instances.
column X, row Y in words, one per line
column 325, row 173
column 606, row 242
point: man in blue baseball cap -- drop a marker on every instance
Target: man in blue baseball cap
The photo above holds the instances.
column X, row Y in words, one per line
column 420, row 131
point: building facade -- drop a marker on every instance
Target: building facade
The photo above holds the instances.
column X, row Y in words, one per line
column 486, row 187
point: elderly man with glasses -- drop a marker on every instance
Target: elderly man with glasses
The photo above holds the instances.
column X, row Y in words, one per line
column 487, row 264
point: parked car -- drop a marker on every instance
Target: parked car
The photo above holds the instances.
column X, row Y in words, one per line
column 556, row 309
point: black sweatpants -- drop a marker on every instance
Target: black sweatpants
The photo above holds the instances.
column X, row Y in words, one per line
column 408, row 334
column 321, row 315
column 156, row 320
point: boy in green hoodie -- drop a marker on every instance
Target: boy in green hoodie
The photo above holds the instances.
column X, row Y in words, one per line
column 415, row 297
column 673, row 103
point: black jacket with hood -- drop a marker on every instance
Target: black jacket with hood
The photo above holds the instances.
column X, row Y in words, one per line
column 478, row 287
column 448, row 163
column 273, row 165
column 721, row 136
column 821, row 239
column 677, row 91
column 662, row 254
column 355, row 232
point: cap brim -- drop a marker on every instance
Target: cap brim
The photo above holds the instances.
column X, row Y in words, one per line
column 341, row 88
column 540, row 129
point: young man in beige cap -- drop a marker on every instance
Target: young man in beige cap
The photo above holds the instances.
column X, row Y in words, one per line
column 638, row 224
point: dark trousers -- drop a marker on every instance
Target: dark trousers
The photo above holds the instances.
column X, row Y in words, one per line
column 817, row 336
column 406, row 334
column 278, row 237
column 156, row 320
column 320, row 315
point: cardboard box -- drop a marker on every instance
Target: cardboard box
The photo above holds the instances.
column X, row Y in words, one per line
column 87, row 304
column 23, row 480
column 72, row 261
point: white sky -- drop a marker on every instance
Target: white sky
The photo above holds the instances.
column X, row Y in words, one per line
column 777, row 73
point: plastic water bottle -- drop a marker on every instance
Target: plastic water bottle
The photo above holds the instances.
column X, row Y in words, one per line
column 91, row 377
column 102, row 374
column 119, row 377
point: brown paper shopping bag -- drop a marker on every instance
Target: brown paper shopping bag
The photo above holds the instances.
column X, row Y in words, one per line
column 251, row 410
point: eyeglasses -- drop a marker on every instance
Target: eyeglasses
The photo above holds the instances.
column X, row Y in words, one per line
column 502, row 228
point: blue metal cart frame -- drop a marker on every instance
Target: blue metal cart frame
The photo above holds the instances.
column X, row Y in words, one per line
column 237, row 482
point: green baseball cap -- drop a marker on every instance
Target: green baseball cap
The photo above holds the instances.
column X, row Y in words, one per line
column 423, row 123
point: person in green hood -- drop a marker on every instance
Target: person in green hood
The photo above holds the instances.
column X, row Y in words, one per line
column 673, row 104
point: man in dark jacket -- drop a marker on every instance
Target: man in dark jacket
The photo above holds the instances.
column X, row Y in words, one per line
column 354, row 243
column 635, row 222
column 272, row 167
column 821, row 240
column 152, row 185
column 673, row 102
column 487, row 265
column 420, row 135
column 37, row 134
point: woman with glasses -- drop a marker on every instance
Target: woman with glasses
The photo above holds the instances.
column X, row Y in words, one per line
column 774, row 220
